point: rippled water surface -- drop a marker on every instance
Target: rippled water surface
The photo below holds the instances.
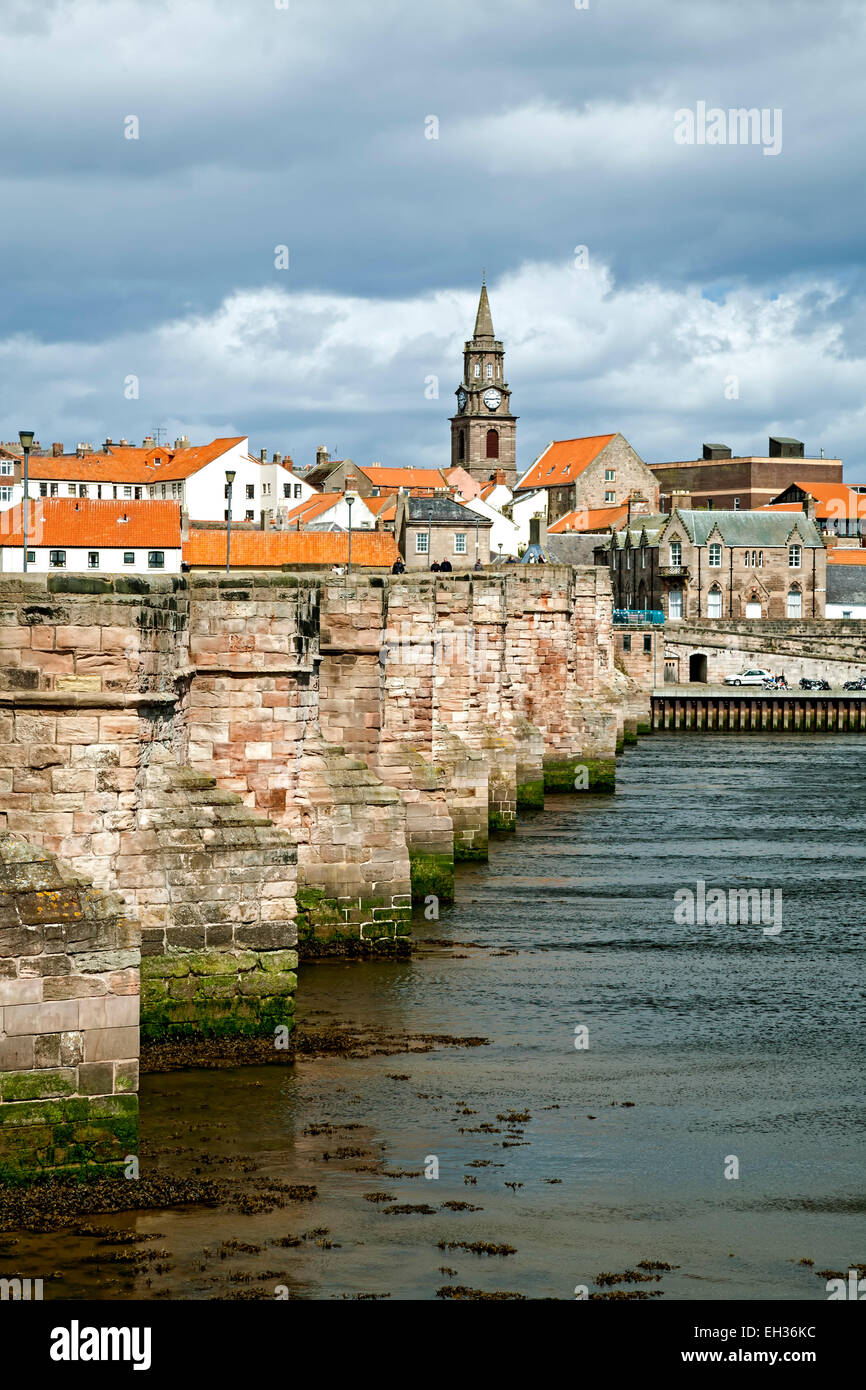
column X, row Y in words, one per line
column 727, row 1042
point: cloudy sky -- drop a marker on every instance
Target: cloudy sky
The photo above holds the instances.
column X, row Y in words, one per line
column 721, row 295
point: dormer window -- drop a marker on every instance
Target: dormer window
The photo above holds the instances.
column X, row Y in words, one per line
column 676, row 552
column 715, row 555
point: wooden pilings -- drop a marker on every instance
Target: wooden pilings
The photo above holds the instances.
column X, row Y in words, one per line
column 759, row 711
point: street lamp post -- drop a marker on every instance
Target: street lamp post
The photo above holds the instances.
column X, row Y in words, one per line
column 230, row 477
column 26, row 437
column 350, row 500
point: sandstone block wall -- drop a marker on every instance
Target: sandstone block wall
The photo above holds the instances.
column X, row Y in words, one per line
column 69, row 1016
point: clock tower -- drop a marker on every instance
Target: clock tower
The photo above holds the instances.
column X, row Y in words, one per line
column 483, row 432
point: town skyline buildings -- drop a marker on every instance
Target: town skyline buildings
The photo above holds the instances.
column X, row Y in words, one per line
column 165, row 274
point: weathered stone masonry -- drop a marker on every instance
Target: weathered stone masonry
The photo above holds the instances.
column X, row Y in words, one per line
column 253, row 765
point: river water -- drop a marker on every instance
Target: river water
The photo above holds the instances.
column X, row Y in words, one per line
column 713, row 1048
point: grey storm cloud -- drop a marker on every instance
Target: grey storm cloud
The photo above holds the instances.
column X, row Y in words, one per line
column 305, row 126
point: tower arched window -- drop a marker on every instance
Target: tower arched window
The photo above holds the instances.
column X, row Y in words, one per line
column 461, row 444
column 493, row 444
column 477, row 369
column 489, row 371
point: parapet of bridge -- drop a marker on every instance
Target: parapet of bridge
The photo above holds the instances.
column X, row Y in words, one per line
column 262, row 766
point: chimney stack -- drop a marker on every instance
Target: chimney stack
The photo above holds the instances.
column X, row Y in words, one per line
column 322, row 455
column 56, row 451
column 278, row 458
column 809, row 507
column 681, row 497
column 263, row 455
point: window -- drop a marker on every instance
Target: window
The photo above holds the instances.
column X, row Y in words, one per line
column 225, row 516
column 675, row 603
column 43, row 489
column 57, row 559
column 626, row 642
column 6, row 469
column 676, row 552
column 477, row 371
column 715, row 556
column 297, row 489
column 795, row 603
column 31, row 560
column 421, row 543
column 459, row 542
column 795, row 555
column 643, row 557
column 266, row 489
column 714, row 603
column 647, row 642
column 709, row 504
column 610, row 497
column 461, row 445
column 628, row 559
column 138, row 492
column 129, row 557
column 251, row 490
column 93, row 559
column 760, row 559
column 70, row 488
column 493, row 444
column 489, row 371
column 610, row 475
column 127, row 492
column 248, row 516
column 5, row 493
column 287, row 489
column 54, row 487
column 82, row 490
column 156, row 559
column 736, row 504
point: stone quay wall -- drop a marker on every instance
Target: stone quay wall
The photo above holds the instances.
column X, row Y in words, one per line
column 833, row 650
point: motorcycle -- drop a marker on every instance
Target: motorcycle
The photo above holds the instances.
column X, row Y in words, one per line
column 859, row 684
column 813, row 683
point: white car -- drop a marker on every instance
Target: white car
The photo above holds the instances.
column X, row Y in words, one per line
column 754, row 675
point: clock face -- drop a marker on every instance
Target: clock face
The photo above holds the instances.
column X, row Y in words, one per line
column 461, row 399
column 491, row 399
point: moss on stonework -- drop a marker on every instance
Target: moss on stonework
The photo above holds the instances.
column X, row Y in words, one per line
column 530, row 794
column 629, row 736
column 470, row 852
column 239, row 1016
column 432, row 874
column 570, row 774
column 497, row 820
column 644, row 728
column 87, row 1137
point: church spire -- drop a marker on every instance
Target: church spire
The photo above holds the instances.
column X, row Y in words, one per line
column 483, row 320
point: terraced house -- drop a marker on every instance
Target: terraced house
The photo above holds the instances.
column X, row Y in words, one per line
column 719, row 564
column 597, row 472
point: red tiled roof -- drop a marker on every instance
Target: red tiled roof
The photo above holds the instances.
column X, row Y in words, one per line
column 589, row 519
column 839, row 555
column 70, row 521
column 269, row 549
column 564, row 460
column 404, row 477
column 314, row 506
column 125, row 464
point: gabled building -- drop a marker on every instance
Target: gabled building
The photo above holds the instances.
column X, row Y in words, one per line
column 432, row 529
column 587, row 474
column 194, row 476
column 83, row 536
column 324, row 510
column 837, row 510
column 719, row 564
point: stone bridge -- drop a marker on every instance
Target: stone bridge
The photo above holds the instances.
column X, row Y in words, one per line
column 202, row 779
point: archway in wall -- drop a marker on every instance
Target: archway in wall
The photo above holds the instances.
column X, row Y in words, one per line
column 698, row 667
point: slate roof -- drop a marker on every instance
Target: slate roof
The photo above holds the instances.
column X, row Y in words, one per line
column 441, row 511
column 759, row 528
column 846, row 583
